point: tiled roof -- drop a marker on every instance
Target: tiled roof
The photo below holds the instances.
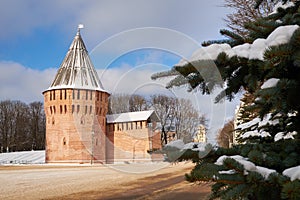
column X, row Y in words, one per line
column 77, row 71
column 132, row 117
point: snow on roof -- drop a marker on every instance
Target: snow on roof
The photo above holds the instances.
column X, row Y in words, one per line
column 280, row 35
column 272, row 82
column 77, row 71
column 23, row 157
column 132, row 116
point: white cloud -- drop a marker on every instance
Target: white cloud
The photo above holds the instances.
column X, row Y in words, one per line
column 21, row 83
column 105, row 18
column 19, row 18
column 132, row 80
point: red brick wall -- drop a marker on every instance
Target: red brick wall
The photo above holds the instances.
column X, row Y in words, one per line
column 71, row 118
column 131, row 144
column 76, row 130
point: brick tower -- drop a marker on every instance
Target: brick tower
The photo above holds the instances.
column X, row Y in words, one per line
column 76, row 105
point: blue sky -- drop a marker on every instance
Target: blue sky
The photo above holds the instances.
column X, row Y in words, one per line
column 35, row 36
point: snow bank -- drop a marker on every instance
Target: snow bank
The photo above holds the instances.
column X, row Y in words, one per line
column 281, row 135
column 23, row 157
column 248, row 166
column 272, row 82
column 210, row 52
column 280, row 35
column 293, row 173
column 281, row 5
column 179, row 144
column 256, row 126
column 255, row 133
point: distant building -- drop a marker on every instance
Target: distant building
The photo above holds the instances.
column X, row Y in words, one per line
column 78, row 128
column 201, row 134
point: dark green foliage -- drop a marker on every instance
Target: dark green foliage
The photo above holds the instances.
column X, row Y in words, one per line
column 268, row 156
column 291, row 190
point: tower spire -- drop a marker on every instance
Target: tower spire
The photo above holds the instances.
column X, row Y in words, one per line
column 77, row 70
column 80, row 26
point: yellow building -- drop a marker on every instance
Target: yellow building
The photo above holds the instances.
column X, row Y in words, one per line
column 201, row 134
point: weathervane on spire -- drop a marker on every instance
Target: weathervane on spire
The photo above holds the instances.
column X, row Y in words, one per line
column 80, row 26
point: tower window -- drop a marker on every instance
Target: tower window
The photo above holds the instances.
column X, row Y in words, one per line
column 54, row 110
column 64, row 141
column 78, row 108
column 60, row 109
column 86, row 95
column 85, row 110
column 73, row 94
column 65, row 94
column 53, row 94
column 73, row 108
column 91, row 95
column 91, row 109
column 51, row 110
column 78, row 94
column 60, row 94
column 65, row 109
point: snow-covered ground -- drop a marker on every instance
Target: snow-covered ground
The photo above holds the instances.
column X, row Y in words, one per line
column 23, row 157
column 94, row 182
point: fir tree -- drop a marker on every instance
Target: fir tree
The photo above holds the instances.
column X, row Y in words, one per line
column 267, row 164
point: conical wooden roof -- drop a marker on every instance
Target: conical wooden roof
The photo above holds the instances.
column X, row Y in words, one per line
column 77, row 71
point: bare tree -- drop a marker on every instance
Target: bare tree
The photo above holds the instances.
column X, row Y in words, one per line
column 225, row 134
column 175, row 115
column 118, row 103
column 138, row 103
column 37, row 125
column 21, row 132
column 244, row 11
column 22, row 126
column 187, row 120
column 164, row 107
